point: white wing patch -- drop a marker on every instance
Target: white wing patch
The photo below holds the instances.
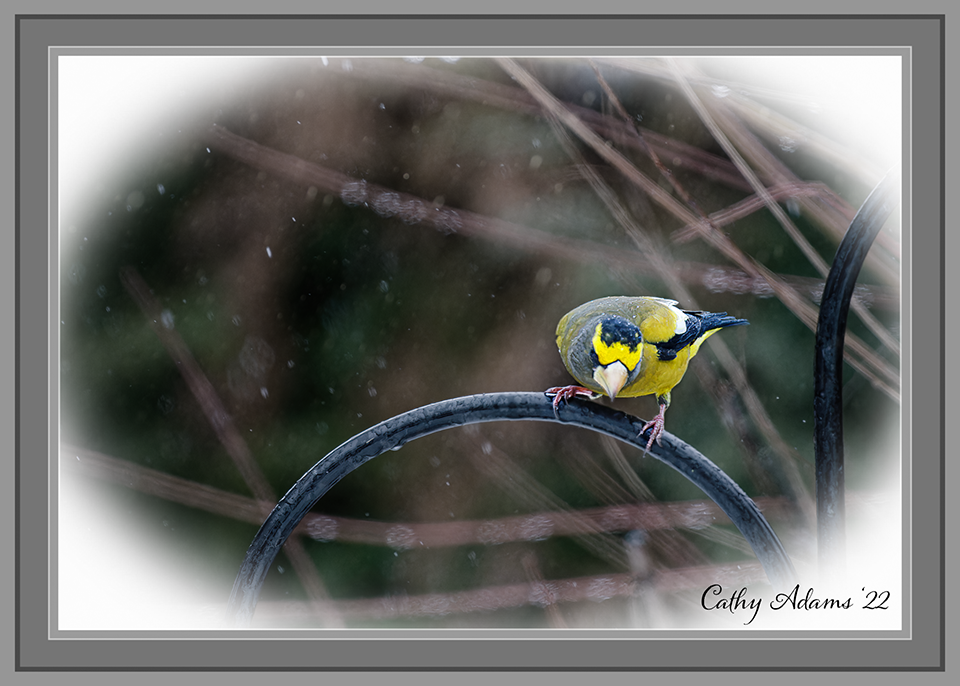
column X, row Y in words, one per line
column 679, row 316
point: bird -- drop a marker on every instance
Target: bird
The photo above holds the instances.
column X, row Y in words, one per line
column 630, row 346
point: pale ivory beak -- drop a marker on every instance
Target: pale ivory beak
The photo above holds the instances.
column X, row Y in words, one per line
column 611, row 378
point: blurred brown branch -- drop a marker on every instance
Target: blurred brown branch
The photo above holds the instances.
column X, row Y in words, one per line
column 539, row 593
column 223, row 426
column 413, row 210
column 725, row 127
column 872, row 365
column 661, row 263
column 510, row 98
column 694, row 515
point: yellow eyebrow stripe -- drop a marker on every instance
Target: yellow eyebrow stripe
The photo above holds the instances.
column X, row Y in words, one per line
column 617, row 351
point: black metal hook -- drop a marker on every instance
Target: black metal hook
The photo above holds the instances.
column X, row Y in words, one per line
column 395, row 432
column 828, row 369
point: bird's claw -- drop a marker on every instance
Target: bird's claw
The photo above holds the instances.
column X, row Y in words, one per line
column 562, row 394
column 656, row 426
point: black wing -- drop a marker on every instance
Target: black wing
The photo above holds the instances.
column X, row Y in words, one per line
column 698, row 323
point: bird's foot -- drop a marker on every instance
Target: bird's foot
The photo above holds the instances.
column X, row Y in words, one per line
column 562, row 394
column 655, row 426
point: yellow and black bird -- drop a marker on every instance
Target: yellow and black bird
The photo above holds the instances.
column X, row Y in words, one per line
column 625, row 347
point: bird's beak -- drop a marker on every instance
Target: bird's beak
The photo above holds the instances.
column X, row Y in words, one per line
column 611, row 378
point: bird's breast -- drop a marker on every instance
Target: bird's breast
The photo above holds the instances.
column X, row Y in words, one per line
column 656, row 376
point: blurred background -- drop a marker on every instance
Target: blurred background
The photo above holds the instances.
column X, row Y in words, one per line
column 260, row 258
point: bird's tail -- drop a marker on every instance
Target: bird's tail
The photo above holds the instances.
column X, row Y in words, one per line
column 719, row 320
column 710, row 323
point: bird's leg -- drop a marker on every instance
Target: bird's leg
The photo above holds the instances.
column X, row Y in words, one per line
column 562, row 394
column 656, row 424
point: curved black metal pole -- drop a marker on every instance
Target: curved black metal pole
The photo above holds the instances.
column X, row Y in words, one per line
column 828, row 370
column 393, row 433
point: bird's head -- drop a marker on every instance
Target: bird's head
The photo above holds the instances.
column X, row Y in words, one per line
column 617, row 350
